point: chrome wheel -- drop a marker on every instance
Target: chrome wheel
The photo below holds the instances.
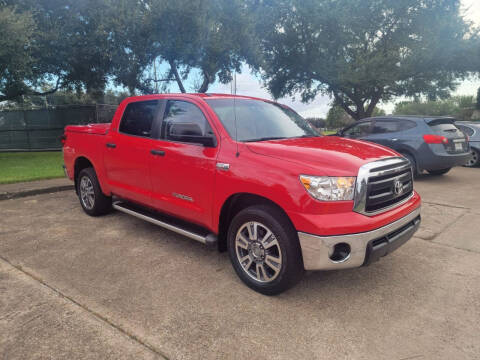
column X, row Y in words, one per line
column 87, row 194
column 473, row 158
column 258, row 252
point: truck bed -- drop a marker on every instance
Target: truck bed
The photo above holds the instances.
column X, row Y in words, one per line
column 96, row 129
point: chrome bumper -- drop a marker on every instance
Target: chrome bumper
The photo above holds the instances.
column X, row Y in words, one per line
column 316, row 250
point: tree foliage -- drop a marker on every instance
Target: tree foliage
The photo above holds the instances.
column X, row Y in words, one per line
column 360, row 52
column 460, row 107
column 337, row 118
column 477, row 104
column 357, row 51
column 83, row 45
column 16, row 58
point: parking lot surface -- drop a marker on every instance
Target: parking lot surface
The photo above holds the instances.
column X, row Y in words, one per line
column 76, row 287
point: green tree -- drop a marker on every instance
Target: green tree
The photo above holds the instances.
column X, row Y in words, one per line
column 362, row 51
column 204, row 39
column 477, row 104
column 337, row 118
column 16, row 59
column 460, row 107
column 67, row 45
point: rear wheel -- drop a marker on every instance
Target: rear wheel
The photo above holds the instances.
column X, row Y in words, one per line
column 264, row 249
column 438, row 172
column 474, row 159
column 92, row 199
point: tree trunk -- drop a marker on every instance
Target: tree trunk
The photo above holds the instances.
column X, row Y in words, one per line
column 360, row 111
column 178, row 79
column 207, row 80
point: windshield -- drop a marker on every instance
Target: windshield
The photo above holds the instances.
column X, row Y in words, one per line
column 259, row 120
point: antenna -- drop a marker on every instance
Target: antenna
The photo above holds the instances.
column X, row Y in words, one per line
column 235, row 109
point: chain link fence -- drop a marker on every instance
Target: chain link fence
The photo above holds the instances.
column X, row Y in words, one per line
column 33, row 130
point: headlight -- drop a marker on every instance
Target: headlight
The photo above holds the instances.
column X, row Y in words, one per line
column 328, row 188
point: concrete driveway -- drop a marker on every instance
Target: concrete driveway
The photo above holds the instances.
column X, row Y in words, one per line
column 77, row 287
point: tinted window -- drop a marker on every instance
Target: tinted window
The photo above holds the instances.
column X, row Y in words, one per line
column 138, row 118
column 441, row 126
column 406, row 124
column 384, row 126
column 465, row 129
column 259, row 120
column 188, row 117
column 358, row 130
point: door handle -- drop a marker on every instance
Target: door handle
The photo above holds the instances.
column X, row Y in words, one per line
column 394, row 139
column 157, row 152
column 110, row 145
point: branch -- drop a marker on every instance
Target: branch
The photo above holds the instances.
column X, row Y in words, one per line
column 160, row 80
column 373, row 102
column 31, row 92
column 349, row 111
column 173, row 67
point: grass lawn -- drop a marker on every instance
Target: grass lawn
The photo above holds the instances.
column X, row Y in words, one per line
column 27, row 166
column 329, row 132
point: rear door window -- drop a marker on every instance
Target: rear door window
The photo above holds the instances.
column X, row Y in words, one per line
column 384, row 127
column 138, row 118
column 390, row 126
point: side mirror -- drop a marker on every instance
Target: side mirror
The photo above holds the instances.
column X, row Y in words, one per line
column 190, row 133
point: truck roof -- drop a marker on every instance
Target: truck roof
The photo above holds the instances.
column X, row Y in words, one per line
column 197, row 95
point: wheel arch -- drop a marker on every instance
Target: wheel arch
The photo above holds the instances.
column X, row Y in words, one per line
column 80, row 163
column 406, row 151
column 233, row 205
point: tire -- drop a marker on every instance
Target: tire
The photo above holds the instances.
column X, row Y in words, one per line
column 272, row 263
column 475, row 159
column 413, row 163
column 438, row 172
column 91, row 197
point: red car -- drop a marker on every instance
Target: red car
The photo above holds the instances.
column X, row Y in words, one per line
column 249, row 176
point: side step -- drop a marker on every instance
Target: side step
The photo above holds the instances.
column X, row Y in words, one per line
column 180, row 227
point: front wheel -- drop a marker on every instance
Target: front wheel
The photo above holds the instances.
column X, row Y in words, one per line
column 92, row 199
column 438, row 172
column 264, row 249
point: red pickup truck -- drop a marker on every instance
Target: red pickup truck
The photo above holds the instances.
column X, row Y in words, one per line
column 249, row 176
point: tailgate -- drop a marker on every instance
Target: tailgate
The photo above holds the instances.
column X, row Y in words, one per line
column 457, row 141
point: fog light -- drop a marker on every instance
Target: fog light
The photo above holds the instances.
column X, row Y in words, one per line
column 341, row 252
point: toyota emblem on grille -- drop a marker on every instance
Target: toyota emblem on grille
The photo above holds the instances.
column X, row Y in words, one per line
column 398, row 187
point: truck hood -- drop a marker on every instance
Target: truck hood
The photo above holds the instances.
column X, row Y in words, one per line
column 325, row 155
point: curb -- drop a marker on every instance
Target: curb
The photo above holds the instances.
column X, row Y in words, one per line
column 20, row 194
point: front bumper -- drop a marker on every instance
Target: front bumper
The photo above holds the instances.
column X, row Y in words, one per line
column 365, row 247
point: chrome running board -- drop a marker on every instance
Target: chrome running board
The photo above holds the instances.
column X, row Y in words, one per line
column 179, row 226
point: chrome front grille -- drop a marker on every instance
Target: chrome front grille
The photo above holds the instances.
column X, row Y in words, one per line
column 382, row 185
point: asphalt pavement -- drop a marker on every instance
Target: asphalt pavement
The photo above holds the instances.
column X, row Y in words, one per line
column 116, row 287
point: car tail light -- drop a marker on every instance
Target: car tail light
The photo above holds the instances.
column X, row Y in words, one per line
column 63, row 139
column 435, row 139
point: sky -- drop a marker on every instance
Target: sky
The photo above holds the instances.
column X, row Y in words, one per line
column 249, row 84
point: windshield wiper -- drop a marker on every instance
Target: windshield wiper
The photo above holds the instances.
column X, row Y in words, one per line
column 306, row 136
column 266, row 138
